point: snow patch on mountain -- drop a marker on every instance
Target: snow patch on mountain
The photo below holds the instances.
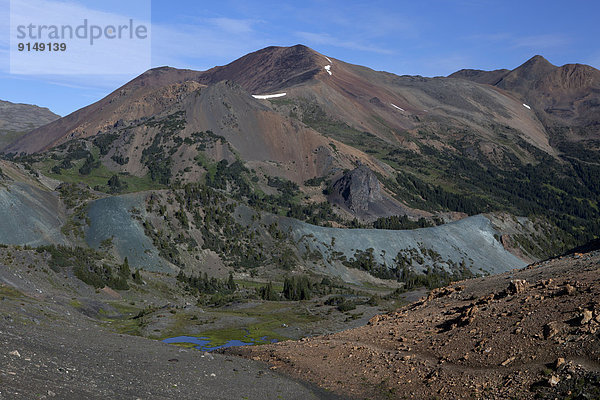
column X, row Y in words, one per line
column 395, row 106
column 328, row 69
column 268, row 96
column 526, row 106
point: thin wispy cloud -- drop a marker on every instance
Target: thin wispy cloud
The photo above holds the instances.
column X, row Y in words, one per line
column 233, row 26
column 360, row 27
column 82, row 55
column 541, row 41
column 326, row 39
column 198, row 45
column 4, row 24
column 490, row 37
column 81, row 82
column 370, row 24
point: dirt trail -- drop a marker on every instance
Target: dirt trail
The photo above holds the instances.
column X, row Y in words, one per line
column 517, row 335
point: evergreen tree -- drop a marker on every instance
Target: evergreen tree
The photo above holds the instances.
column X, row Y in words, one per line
column 297, row 288
column 124, row 269
column 137, row 276
column 231, row 283
column 268, row 292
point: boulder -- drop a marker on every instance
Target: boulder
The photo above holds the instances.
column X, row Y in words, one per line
column 551, row 329
column 518, row 286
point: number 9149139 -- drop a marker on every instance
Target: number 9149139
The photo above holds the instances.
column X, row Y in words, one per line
column 42, row 46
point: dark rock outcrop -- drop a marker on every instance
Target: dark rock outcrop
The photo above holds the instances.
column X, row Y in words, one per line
column 357, row 189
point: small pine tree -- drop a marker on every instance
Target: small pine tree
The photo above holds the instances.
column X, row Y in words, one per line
column 268, row 292
column 231, row 286
column 137, row 276
column 124, row 270
column 115, row 184
column 297, row 288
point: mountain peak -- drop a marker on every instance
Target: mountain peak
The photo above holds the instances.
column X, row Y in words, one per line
column 525, row 76
column 270, row 69
column 538, row 59
column 537, row 62
column 298, row 48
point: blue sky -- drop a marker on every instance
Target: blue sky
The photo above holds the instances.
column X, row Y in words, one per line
column 428, row 38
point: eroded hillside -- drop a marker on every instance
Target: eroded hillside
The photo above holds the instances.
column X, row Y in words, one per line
column 526, row 334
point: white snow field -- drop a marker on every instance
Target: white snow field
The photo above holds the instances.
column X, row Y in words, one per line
column 268, row 96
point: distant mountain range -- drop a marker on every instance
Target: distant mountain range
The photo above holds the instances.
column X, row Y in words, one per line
column 382, row 104
column 563, row 96
column 290, row 194
column 289, row 130
column 18, row 119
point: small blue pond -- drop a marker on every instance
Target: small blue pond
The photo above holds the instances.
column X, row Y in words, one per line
column 204, row 343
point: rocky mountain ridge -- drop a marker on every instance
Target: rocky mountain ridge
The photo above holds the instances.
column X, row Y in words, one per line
column 18, row 119
column 565, row 96
column 293, row 132
column 288, row 195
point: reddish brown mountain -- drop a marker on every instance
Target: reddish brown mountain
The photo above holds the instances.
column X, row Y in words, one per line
column 269, row 70
column 294, row 113
column 566, row 96
column 159, row 88
column 325, row 93
column 480, row 76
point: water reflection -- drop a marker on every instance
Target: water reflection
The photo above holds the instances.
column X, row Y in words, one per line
column 205, row 344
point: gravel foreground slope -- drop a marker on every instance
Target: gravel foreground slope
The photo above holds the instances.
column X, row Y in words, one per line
column 47, row 352
column 533, row 333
